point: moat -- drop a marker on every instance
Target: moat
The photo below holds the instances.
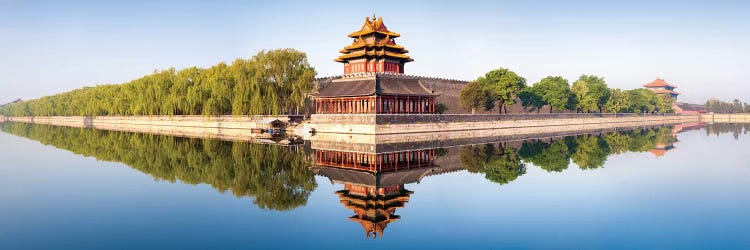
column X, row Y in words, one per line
column 675, row 186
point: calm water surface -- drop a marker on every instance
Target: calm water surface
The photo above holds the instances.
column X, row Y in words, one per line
column 672, row 187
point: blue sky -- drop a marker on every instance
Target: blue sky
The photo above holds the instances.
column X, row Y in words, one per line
column 703, row 47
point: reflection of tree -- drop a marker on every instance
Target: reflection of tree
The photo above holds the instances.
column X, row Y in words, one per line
column 618, row 142
column 645, row 139
column 553, row 157
column 277, row 177
column 736, row 129
column 473, row 158
column 501, row 165
column 591, row 152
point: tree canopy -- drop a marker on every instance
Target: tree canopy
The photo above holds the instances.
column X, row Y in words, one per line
column 588, row 94
column 503, row 86
column 591, row 92
column 555, row 92
column 271, row 82
column 474, row 96
column 735, row 106
column 619, row 101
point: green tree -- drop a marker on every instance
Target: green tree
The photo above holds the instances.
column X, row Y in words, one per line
column 440, row 108
column 555, row 92
column 619, row 101
column 271, row 82
column 641, row 100
column 503, row 86
column 737, row 106
column 664, row 103
column 591, row 92
column 530, row 100
column 473, row 96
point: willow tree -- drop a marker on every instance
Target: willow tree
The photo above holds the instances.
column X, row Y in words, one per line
column 288, row 74
column 271, row 82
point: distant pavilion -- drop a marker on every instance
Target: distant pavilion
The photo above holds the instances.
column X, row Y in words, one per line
column 373, row 80
column 662, row 88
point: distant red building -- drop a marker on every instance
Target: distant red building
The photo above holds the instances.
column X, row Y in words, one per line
column 660, row 87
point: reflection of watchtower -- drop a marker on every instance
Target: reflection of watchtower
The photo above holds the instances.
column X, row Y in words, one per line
column 374, row 207
column 373, row 175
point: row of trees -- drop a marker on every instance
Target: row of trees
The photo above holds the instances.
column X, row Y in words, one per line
column 503, row 87
column 271, row 82
column 736, row 106
column 503, row 163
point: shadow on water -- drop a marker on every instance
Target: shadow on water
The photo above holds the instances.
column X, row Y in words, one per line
column 282, row 177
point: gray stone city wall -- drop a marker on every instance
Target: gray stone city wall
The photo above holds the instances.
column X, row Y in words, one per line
column 449, row 92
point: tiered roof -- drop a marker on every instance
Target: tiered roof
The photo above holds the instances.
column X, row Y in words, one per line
column 374, row 40
column 661, row 87
column 374, row 83
column 658, row 83
column 374, row 210
column 373, row 26
column 661, row 148
column 665, row 91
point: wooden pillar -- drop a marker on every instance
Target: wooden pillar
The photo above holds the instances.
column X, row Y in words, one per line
column 408, row 105
column 418, row 105
column 392, row 104
column 377, row 105
column 408, row 159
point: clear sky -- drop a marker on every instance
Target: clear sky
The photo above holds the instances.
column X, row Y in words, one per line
column 703, row 47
